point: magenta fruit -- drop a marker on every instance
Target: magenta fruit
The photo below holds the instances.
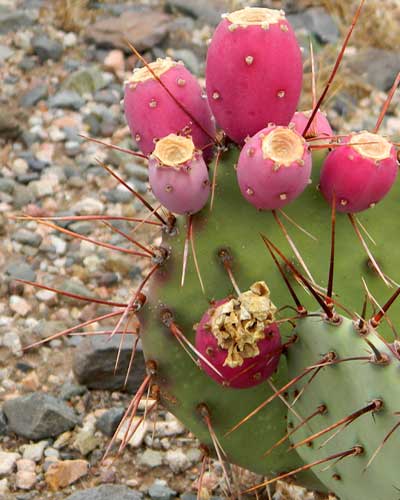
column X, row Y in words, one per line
column 152, row 113
column 274, row 167
column 178, row 175
column 319, row 127
column 240, row 338
column 253, row 72
column 360, row 173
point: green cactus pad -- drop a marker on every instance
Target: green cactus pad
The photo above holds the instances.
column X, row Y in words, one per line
column 235, row 225
column 346, row 388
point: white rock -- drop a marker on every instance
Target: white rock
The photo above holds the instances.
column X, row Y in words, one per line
column 3, row 486
column 34, row 451
column 12, row 341
column 25, row 480
column 69, row 40
column 7, row 462
column 137, row 439
column 177, row 461
column 19, row 305
column 88, row 206
column 169, row 428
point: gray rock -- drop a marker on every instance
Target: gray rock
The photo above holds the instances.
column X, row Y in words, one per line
column 22, row 196
column 5, row 53
column 189, row 59
column 94, row 363
column 27, row 237
column 46, row 48
column 69, row 391
column 107, row 492
column 14, row 21
column 160, row 490
column 33, row 96
column 67, row 99
column 85, row 81
column 317, row 21
column 39, row 415
column 208, row 11
column 110, row 420
column 3, row 424
column 378, row 67
column 72, row 148
column 6, row 185
column 20, row 270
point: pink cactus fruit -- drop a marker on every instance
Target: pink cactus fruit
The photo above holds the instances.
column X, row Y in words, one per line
column 253, row 72
column 319, row 127
column 178, row 175
column 240, row 338
column 274, row 167
column 152, row 113
column 360, row 173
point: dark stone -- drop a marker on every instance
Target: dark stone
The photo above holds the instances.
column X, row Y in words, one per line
column 28, row 177
column 110, row 420
column 69, row 391
column 318, row 22
column 37, row 165
column 38, row 416
column 94, row 363
column 107, row 492
column 33, row 96
column 378, row 67
column 19, row 269
column 208, row 11
column 46, row 48
column 14, row 21
column 3, row 424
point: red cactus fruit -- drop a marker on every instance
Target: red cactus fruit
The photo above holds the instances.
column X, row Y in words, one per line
column 253, row 72
column 240, row 338
column 178, row 175
column 319, row 127
column 152, row 113
column 274, row 167
column 360, row 173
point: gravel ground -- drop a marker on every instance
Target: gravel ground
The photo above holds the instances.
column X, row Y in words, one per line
column 62, row 74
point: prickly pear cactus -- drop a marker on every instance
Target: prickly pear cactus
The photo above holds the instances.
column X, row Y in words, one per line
column 228, row 254
column 255, row 309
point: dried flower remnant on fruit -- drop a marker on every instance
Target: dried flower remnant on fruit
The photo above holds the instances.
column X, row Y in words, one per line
column 371, row 146
column 239, row 324
column 158, row 67
column 283, row 146
column 174, row 150
column 256, row 17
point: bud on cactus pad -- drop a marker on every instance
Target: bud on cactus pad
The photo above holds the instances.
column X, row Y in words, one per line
column 274, row 167
column 178, row 175
column 152, row 113
column 240, row 339
column 254, row 71
column 360, row 173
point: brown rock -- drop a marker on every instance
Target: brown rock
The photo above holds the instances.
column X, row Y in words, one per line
column 61, row 474
column 115, row 62
column 142, row 29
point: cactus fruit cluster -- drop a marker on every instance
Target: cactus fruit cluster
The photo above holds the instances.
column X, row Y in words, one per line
column 265, row 317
